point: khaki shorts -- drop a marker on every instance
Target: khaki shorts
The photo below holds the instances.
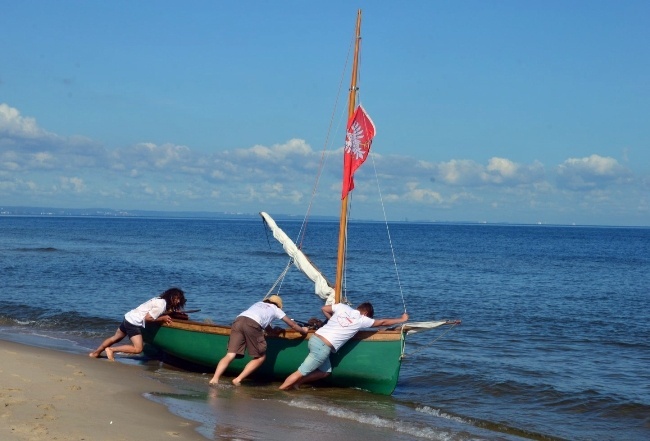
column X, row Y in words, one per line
column 246, row 333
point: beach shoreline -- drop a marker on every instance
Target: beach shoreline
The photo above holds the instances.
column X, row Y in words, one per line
column 48, row 394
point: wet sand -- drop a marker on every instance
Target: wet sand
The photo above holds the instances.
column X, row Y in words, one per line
column 49, row 394
column 52, row 395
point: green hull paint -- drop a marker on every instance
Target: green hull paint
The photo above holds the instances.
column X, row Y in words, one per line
column 363, row 362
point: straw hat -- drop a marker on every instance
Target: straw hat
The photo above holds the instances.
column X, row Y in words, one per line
column 275, row 300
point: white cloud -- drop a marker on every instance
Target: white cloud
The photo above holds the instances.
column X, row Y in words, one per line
column 498, row 171
column 25, row 146
column 503, row 171
column 459, row 172
column 13, row 125
column 42, row 168
column 75, row 184
column 147, row 155
column 591, row 173
column 423, row 195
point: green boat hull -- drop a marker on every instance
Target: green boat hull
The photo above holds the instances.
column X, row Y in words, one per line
column 371, row 361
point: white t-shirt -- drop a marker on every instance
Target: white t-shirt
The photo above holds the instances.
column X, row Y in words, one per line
column 153, row 307
column 343, row 325
column 263, row 313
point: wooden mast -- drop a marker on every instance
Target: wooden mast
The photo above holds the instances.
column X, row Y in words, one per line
column 343, row 223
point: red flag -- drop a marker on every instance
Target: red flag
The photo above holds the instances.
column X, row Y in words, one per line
column 358, row 139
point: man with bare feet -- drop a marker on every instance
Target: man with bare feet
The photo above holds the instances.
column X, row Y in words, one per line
column 135, row 320
column 342, row 324
column 247, row 333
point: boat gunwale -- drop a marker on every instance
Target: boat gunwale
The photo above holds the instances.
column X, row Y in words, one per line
column 286, row 334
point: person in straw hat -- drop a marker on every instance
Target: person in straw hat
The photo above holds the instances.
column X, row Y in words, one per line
column 247, row 333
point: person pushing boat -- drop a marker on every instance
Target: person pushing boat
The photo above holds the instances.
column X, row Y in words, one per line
column 247, row 333
column 153, row 310
column 343, row 323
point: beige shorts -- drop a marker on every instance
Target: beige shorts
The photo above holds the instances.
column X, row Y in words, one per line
column 247, row 334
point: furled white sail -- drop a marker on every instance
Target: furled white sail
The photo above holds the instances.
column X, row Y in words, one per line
column 302, row 262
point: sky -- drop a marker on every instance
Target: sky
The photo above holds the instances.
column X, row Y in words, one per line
column 486, row 111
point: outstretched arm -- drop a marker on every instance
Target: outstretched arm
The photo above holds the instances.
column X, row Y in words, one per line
column 390, row 321
column 163, row 318
column 294, row 325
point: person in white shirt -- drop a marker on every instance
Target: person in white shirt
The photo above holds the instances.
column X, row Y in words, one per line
column 343, row 323
column 247, row 333
column 153, row 310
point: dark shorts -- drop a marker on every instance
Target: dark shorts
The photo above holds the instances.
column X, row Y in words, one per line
column 246, row 333
column 130, row 329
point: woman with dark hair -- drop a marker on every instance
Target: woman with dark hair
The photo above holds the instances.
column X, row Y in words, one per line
column 154, row 310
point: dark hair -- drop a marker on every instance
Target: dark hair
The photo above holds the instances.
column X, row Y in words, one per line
column 170, row 294
column 367, row 308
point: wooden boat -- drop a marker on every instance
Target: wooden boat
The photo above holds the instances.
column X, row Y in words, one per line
column 370, row 361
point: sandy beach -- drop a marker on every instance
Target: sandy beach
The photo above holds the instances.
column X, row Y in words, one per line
column 52, row 395
column 48, row 394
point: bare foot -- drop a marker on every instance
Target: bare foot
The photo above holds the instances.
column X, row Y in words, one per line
column 94, row 354
column 109, row 354
column 213, row 382
column 236, row 382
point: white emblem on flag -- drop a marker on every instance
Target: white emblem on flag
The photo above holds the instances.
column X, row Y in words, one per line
column 353, row 141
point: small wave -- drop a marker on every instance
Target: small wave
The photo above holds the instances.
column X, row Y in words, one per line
column 37, row 249
column 605, row 406
column 488, row 425
column 72, row 322
column 440, row 414
column 10, row 321
column 376, row 421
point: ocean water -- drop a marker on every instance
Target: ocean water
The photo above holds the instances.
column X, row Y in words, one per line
column 554, row 341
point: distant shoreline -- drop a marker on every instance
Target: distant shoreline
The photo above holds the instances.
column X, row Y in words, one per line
column 17, row 211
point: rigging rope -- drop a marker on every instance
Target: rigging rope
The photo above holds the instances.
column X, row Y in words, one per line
column 390, row 240
column 279, row 280
column 303, row 227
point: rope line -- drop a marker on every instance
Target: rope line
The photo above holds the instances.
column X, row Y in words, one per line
column 279, row 280
column 390, row 239
column 300, row 237
column 326, row 144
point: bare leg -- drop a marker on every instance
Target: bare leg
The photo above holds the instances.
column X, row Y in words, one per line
column 290, row 380
column 221, row 366
column 296, row 379
column 248, row 369
column 312, row 376
column 136, row 348
column 119, row 335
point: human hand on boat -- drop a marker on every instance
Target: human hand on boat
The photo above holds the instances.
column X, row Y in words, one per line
column 405, row 317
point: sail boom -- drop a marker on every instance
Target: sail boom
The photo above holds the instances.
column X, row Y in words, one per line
column 413, row 327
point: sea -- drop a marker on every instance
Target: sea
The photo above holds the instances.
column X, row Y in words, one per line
column 554, row 340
